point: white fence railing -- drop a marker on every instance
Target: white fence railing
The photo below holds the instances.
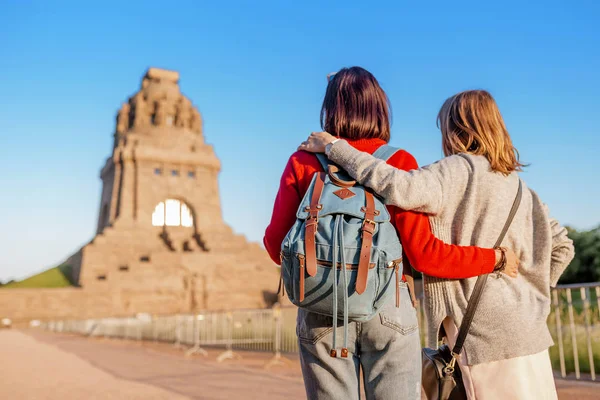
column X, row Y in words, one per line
column 271, row 330
column 574, row 323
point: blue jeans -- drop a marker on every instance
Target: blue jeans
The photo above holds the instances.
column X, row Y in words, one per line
column 387, row 347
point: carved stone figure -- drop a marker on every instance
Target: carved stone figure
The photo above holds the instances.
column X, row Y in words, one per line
column 123, row 118
column 196, row 121
column 182, row 115
column 170, row 110
column 160, row 116
column 141, row 111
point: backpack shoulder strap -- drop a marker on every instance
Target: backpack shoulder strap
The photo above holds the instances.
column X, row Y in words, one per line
column 323, row 160
column 385, row 152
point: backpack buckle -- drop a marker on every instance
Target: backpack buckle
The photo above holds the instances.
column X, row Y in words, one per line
column 368, row 222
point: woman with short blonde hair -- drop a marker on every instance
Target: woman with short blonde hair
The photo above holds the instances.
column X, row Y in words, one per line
column 468, row 196
column 471, row 123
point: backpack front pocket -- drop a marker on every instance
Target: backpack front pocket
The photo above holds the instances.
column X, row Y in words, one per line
column 318, row 289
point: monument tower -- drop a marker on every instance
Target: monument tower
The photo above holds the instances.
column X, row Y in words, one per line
column 161, row 173
column 161, row 239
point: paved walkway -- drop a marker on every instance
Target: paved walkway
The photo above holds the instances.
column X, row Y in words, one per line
column 45, row 366
column 32, row 370
column 63, row 367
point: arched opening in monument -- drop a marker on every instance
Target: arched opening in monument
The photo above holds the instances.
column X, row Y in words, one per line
column 172, row 212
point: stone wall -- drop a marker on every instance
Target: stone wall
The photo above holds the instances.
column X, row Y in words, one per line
column 23, row 305
column 165, row 284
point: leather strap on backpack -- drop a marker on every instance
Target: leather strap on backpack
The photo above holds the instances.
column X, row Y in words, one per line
column 368, row 229
column 480, row 284
column 312, row 223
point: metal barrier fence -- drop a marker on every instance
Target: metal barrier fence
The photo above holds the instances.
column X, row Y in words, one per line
column 578, row 340
column 574, row 323
column 270, row 330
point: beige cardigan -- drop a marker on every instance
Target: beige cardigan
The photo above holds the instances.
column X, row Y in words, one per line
column 468, row 205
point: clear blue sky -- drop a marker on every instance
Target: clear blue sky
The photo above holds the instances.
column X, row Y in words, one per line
column 256, row 70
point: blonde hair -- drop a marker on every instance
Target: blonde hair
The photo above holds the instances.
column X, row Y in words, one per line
column 471, row 123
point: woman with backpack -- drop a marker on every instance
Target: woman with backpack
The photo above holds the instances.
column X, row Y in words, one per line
column 387, row 346
column 468, row 195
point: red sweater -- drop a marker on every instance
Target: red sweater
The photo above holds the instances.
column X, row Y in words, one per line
column 425, row 252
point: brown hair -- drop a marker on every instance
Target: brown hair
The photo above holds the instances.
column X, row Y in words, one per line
column 471, row 123
column 355, row 106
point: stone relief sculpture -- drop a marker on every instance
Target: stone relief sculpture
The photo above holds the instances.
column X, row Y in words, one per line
column 160, row 115
column 170, row 111
column 182, row 114
column 196, row 121
column 141, row 111
column 123, row 118
column 158, row 104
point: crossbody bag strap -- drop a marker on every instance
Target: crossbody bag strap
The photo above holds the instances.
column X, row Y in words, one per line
column 482, row 279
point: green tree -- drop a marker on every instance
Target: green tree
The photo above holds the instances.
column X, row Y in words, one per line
column 585, row 266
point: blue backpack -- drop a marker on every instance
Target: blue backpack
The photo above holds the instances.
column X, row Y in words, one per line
column 343, row 224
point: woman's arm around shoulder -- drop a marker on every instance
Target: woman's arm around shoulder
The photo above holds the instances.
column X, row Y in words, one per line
column 428, row 254
column 420, row 190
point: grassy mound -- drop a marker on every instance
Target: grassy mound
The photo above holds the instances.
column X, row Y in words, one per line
column 53, row 278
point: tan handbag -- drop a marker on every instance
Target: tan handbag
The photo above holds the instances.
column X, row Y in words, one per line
column 441, row 377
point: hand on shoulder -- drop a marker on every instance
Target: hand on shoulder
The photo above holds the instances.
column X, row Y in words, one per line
column 317, row 142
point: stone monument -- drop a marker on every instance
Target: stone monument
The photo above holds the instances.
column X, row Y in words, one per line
column 161, row 239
